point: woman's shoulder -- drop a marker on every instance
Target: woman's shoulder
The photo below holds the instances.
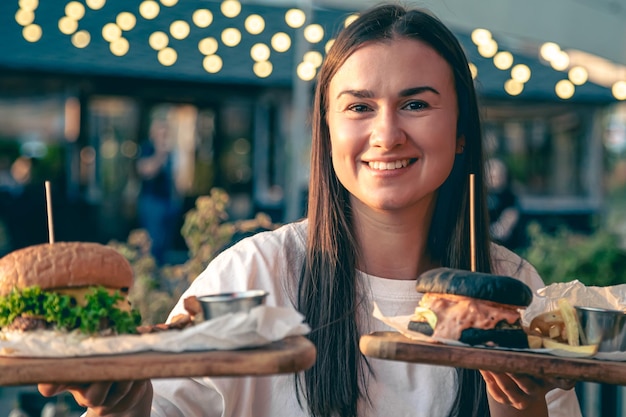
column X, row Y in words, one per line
column 508, row 263
column 268, row 248
column 289, row 235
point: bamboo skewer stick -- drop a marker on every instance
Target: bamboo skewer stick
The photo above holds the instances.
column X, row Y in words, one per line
column 49, row 212
column 472, row 225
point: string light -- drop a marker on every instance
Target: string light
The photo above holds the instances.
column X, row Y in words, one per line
column 295, row 18
column 513, row 87
column 208, row 46
column 254, row 24
column 24, row 17
column 564, row 89
column 111, row 32
column 167, row 56
column 179, row 29
column 158, row 40
column 262, row 69
column 577, row 75
column 81, row 39
column 202, row 18
column 32, row 32
column 260, row 52
column 231, row 37
column 520, row 73
column 230, row 8
column 281, row 42
column 149, row 9
column 481, row 36
column 619, row 90
column 503, row 60
column 578, row 72
column 126, row 21
column 212, row 64
column 75, row 10
column 314, row 33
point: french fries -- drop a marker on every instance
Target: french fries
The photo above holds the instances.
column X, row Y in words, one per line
column 565, row 349
column 571, row 322
column 560, row 330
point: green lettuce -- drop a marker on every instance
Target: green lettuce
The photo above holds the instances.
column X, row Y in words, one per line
column 98, row 315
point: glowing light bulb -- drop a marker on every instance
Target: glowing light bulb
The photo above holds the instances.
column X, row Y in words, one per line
column 564, row 89
column 281, row 42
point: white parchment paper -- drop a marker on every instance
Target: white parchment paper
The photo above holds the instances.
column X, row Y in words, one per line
column 262, row 325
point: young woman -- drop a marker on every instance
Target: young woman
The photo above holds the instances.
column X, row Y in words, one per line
column 396, row 133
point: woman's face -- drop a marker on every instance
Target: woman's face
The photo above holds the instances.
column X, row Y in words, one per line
column 392, row 117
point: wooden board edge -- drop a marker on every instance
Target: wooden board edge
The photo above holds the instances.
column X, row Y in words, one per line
column 290, row 355
column 395, row 346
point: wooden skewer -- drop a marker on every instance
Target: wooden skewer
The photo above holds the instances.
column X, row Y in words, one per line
column 472, row 225
column 49, row 212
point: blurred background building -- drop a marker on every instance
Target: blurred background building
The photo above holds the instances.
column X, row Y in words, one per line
column 81, row 81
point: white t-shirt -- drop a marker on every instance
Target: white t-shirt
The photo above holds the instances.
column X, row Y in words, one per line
column 272, row 261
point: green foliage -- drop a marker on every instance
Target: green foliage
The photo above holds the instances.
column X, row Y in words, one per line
column 206, row 231
column 148, row 295
column 595, row 259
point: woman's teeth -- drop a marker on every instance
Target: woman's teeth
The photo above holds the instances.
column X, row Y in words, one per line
column 383, row 166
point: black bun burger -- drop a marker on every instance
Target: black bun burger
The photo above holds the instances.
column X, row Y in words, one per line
column 471, row 307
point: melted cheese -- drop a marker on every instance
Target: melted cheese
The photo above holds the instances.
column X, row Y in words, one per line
column 456, row 313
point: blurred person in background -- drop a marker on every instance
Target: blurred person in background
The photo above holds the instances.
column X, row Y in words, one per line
column 504, row 212
column 159, row 203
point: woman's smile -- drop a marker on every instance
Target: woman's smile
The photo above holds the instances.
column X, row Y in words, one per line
column 392, row 165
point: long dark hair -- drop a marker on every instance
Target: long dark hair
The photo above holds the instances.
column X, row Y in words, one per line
column 327, row 294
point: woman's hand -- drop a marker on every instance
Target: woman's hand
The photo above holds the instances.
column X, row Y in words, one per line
column 123, row 398
column 522, row 392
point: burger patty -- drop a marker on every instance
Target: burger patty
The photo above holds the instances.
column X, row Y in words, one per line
column 27, row 323
column 503, row 334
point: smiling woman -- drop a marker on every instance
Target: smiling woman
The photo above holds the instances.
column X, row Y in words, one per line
column 396, row 134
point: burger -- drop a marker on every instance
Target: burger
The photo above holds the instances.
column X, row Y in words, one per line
column 471, row 307
column 67, row 286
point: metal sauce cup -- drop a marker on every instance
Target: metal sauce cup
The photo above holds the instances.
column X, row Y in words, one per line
column 215, row 305
column 604, row 327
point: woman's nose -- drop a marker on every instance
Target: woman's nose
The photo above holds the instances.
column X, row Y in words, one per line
column 387, row 131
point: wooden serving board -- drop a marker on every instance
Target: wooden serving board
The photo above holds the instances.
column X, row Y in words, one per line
column 395, row 346
column 292, row 354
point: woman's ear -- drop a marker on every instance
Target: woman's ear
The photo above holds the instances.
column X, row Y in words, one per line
column 460, row 144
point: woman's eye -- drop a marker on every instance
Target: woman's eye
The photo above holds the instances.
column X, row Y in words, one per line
column 359, row 108
column 416, row 105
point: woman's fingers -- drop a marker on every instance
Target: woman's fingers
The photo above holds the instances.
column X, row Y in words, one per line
column 515, row 390
column 562, row 383
column 124, row 396
column 104, row 398
column 50, row 390
column 494, row 389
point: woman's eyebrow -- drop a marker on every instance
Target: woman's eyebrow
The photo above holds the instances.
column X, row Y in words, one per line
column 404, row 93
column 417, row 90
column 356, row 93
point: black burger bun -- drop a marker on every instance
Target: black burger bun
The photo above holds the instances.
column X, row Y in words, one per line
column 515, row 337
column 496, row 288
